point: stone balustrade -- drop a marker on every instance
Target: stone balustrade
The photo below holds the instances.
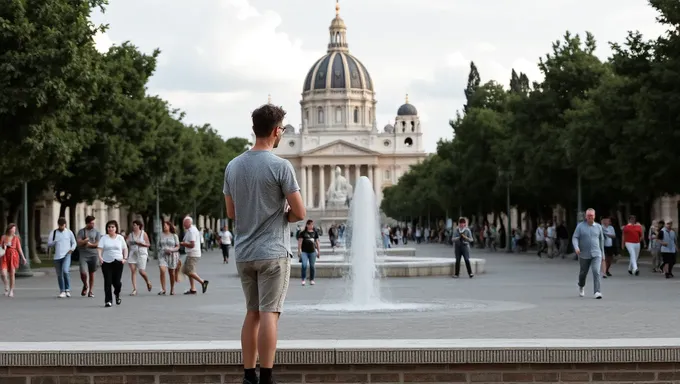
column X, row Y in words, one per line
column 347, row 361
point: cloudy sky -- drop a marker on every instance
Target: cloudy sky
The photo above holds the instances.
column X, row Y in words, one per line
column 221, row 58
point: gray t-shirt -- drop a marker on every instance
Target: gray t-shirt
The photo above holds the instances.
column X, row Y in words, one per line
column 94, row 237
column 258, row 182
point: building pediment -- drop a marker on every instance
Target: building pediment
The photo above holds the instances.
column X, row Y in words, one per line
column 340, row 148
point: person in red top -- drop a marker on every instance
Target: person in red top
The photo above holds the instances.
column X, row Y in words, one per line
column 9, row 262
column 632, row 236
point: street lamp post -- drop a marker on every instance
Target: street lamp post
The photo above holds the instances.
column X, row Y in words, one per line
column 507, row 175
column 579, row 201
column 159, row 225
column 25, row 269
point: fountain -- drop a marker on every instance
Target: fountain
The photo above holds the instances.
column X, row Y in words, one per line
column 366, row 263
column 364, row 257
column 364, row 242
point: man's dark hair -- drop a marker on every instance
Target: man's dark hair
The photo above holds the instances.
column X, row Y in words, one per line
column 310, row 222
column 61, row 221
column 89, row 219
column 266, row 119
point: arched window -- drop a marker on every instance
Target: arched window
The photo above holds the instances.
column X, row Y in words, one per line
column 356, row 115
column 413, row 126
column 388, row 175
column 320, row 118
column 338, row 115
column 403, row 126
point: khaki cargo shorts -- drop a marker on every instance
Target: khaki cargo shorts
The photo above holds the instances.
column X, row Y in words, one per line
column 265, row 283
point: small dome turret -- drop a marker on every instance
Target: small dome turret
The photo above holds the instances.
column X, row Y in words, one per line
column 407, row 109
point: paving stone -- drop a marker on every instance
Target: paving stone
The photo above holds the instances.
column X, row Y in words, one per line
column 520, row 296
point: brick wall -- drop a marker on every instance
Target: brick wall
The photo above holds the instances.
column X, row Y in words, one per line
column 288, row 374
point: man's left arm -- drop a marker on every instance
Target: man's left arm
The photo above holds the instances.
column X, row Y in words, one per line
column 602, row 240
column 72, row 239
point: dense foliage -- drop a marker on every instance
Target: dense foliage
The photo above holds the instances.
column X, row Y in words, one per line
column 614, row 124
column 80, row 124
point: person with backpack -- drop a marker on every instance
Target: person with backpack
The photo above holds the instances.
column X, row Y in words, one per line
column 462, row 239
column 64, row 243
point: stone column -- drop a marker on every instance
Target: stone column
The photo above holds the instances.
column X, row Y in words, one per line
column 346, row 171
column 322, row 187
column 370, row 173
column 333, row 174
column 310, row 191
column 376, row 185
column 303, row 185
column 357, row 174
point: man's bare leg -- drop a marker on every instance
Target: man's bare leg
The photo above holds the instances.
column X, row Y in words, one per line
column 249, row 336
column 266, row 344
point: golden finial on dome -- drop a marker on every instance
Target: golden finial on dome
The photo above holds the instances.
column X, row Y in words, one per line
column 407, row 98
column 337, row 8
column 269, row 99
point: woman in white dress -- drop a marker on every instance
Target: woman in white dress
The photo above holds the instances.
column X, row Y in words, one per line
column 167, row 262
column 139, row 244
column 113, row 252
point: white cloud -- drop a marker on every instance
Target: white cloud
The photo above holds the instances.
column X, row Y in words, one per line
column 221, row 58
column 102, row 42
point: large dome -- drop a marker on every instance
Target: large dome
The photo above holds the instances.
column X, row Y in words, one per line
column 338, row 70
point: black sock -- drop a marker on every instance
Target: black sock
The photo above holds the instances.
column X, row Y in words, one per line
column 266, row 375
column 250, row 375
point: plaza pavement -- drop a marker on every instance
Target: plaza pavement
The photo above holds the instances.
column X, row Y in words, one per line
column 520, row 296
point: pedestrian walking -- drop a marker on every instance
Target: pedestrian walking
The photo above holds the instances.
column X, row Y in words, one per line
column 11, row 255
column 64, row 243
column 88, row 240
column 113, row 253
column 462, row 238
column 588, row 241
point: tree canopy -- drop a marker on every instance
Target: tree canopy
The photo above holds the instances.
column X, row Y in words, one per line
column 614, row 124
column 80, row 124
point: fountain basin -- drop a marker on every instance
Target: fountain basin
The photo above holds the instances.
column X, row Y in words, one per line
column 334, row 266
column 410, row 252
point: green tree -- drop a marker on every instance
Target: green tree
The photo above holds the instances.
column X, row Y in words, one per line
column 109, row 150
column 47, row 79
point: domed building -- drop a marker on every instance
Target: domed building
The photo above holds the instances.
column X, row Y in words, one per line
column 339, row 129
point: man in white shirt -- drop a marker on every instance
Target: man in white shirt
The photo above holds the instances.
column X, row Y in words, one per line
column 225, row 242
column 192, row 245
column 64, row 243
column 550, row 239
column 540, row 238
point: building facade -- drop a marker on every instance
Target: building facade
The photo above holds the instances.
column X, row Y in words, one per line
column 339, row 129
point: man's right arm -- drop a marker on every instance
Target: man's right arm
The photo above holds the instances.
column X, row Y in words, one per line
column 574, row 239
column 81, row 242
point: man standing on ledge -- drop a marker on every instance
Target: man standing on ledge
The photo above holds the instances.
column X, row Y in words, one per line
column 588, row 242
column 262, row 196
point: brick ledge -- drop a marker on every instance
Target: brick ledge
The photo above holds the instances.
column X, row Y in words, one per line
column 344, row 352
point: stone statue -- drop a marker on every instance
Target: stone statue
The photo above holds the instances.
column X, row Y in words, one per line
column 339, row 192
